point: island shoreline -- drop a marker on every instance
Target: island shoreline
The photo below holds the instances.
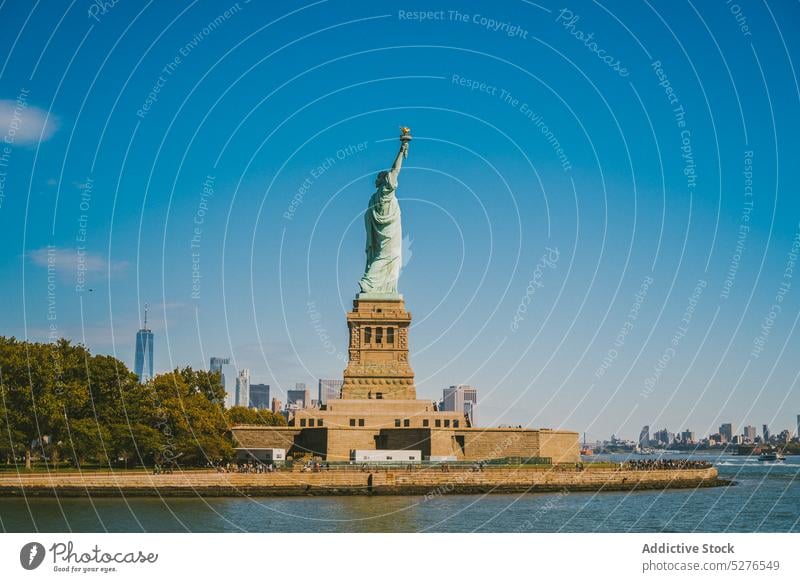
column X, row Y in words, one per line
column 377, row 482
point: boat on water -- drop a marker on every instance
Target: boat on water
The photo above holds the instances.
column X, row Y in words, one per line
column 771, row 456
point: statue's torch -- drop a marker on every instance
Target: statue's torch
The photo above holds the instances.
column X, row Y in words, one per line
column 405, row 137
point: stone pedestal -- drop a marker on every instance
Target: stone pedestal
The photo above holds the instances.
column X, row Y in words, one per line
column 378, row 365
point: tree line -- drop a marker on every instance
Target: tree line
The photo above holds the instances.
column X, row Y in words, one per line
column 62, row 405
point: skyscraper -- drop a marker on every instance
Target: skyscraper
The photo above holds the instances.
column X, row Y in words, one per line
column 276, row 406
column 726, row 432
column 300, row 397
column 765, row 432
column 461, row 398
column 797, row 433
column 143, row 360
column 217, row 365
column 663, row 437
column 243, row 388
column 329, row 390
column 259, row 396
column 750, row 433
column 644, row 436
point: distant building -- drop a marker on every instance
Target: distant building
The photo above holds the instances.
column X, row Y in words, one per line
column 688, row 437
column 243, row 388
column 797, row 432
column 218, row 365
column 259, row 396
column 329, row 390
column 765, row 433
column 469, row 411
column 143, row 359
column 298, row 398
column 785, row 436
column 644, row 436
column 461, row 398
column 726, row 432
column 750, row 434
column 276, row 406
column 663, row 437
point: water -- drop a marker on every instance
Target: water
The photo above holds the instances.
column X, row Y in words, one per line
column 766, row 499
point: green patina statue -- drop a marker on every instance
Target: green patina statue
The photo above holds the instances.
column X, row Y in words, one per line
column 384, row 232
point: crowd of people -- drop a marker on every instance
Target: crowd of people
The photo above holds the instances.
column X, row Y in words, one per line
column 656, row 464
column 252, row 468
column 317, row 466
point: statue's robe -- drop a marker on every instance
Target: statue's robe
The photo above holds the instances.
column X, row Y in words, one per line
column 384, row 239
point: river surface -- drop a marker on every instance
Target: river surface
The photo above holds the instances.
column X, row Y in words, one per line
column 766, row 498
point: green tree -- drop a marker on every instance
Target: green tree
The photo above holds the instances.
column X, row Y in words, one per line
column 58, row 399
column 192, row 427
column 32, row 380
column 271, row 419
column 242, row 415
column 87, row 439
column 209, row 384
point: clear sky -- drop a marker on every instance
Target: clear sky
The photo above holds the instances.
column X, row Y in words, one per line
column 600, row 201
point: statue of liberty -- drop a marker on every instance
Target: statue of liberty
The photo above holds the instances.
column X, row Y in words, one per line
column 384, row 233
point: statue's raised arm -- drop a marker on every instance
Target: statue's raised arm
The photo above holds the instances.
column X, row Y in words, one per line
column 398, row 161
column 383, row 229
column 405, row 137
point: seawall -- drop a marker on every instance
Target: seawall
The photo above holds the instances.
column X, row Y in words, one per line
column 427, row 482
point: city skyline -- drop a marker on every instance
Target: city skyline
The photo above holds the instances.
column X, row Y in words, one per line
column 464, row 397
column 726, row 434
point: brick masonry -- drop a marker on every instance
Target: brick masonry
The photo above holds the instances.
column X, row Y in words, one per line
column 429, row 482
column 469, row 444
column 378, row 366
column 378, row 408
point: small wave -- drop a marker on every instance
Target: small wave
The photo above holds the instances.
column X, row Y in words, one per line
column 757, row 465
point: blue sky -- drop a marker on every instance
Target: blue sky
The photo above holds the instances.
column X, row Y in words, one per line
column 597, row 181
